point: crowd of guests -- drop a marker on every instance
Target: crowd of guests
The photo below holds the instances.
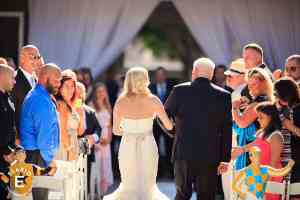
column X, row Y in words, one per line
column 48, row 111
column 265, row 111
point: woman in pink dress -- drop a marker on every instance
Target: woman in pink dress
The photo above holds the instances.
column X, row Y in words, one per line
column 103, row 150
column 269, row 140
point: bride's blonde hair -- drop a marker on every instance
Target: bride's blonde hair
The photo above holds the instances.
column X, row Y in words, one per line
column 136, row 82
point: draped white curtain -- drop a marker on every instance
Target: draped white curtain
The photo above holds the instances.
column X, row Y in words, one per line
column 75, row 33
column 206, row 22
column 222, row 28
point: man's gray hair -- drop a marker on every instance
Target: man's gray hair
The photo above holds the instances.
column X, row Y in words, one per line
column 205, row 67
column 204, row 62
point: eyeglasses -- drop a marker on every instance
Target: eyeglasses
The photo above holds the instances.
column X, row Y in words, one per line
column 35, row 57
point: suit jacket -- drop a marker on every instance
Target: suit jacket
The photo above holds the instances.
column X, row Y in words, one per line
column 169, row 86
column 21, row 88
column 202, row 113
column 92, row 126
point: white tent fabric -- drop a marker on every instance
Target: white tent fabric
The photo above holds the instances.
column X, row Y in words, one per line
column 75, row 33
column 222, row 28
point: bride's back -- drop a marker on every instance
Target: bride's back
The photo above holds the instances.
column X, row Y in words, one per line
column 137, row 113
column 138, row 106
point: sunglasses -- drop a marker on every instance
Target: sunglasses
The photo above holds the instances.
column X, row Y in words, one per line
column 37, row 57
column 291, row 69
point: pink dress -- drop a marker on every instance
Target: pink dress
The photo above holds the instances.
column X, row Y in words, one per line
column 265, row 146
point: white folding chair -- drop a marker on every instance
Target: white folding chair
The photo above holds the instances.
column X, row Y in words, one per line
column 293, row 189
column 276, row 188
column 68, row 170
column 54, row 184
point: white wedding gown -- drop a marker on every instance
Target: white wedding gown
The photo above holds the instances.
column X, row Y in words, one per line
column 138, row 161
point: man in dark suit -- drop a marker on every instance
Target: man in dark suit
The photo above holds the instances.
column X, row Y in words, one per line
column 7, row 121
column 30, row 62
column 162, row 88
column 202, row 145
column 92, row 129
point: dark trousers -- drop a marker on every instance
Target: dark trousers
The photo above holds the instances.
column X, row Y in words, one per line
column 3, row 186
column 3, row 193
column 195, row 173
column 90, row 160
column 35, row 157
column 165, row 167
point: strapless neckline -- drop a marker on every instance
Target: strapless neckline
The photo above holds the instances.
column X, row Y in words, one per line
column 138, row 119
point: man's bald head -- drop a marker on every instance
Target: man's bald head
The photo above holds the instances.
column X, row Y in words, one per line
column 30, row 58
column 48, row 69
column 7, row 78
column 50, row 77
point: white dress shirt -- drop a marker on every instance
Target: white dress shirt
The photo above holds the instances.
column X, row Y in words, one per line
column 30, row 77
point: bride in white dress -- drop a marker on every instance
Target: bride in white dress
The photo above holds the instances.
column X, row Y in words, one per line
column 133, row 118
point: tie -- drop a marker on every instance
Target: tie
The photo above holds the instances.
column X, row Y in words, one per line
column 32, row 81
column 161, row 92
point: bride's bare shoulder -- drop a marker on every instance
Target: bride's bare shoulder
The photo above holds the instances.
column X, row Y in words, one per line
column 155, row 100
column 121, row 101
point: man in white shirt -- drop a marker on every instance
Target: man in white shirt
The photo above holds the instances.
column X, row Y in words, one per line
column 30, row 63
column 236, row 79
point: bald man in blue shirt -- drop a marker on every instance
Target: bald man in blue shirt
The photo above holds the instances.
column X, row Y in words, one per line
column 39, row 124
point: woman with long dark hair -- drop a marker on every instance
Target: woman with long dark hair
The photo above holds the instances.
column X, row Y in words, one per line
column 288, row 101
column 70, row 123
column 269, row 139
column 102, row 150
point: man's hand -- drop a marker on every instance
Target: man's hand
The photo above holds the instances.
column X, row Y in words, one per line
column 53, row 168
column 222, row 168
column 53, row 164
column 104, row 141
column 236, row 104
column 91, row 140
column 286, row 123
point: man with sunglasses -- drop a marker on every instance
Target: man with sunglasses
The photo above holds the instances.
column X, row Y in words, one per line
column 30, row 63
column 235, row 79
column 292, row 68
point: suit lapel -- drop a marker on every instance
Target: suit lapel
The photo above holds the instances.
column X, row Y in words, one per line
column 23, row 81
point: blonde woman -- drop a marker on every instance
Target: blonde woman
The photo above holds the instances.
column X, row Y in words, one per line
column 133, row 117
column 102, row 149
column 244, row 114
